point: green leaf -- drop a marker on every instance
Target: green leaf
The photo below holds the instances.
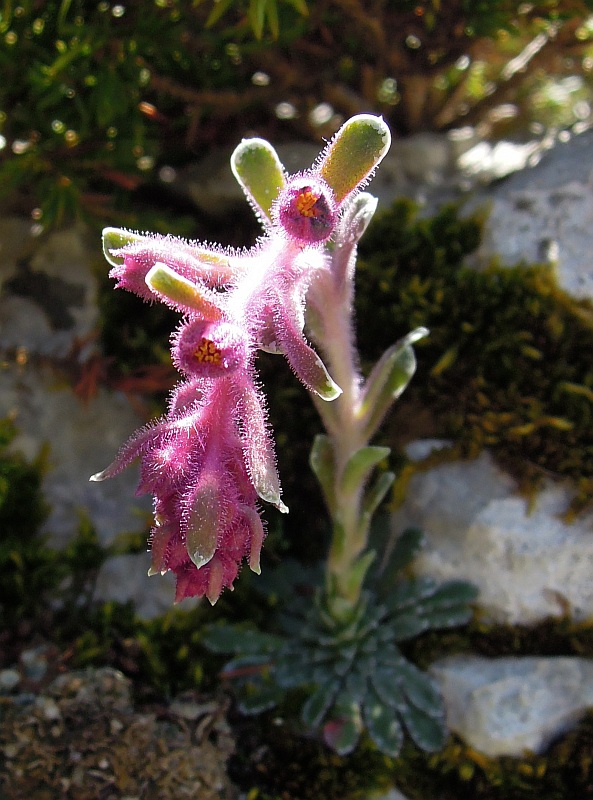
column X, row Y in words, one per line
column 407, row 624
column 321, row 460
column 409, row 593
column 388, row 379
column 407, row 546
column 342, row 731
column 219, row 8
column 232, row 639
column 383, row 725
column 354, row 152
column 257, row 11
column 259, row 171
column 357, row 573
column 421, row 690
column 357, row 683
column 302, row 670
column 318, row 703
column 450, row 594
column 428, row 732
column 374, row 496
column 257, row 699
column 358, row 467
column 449, row 617
column 386, row 683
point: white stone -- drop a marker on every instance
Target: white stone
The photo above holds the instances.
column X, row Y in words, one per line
column 527, row 562
column 78, row 439
column 545, row 214
column 124, row 578
column 48, row 299
column 506, row 706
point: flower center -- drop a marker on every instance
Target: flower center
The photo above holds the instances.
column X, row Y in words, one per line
column 306, row 203
column 207, row 352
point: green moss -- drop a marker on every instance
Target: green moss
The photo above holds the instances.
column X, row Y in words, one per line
column 27, row 567
column 507, row 364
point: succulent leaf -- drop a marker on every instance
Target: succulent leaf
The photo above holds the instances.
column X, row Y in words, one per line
column 343, row 730
column 232, row 639
column 322, row 463
column 427, row 731
column 259, row 171
column 319, row 703
column 408, row 624
column 452, row 593
column 354, row 152
column 407, row 546
column 359, row 465
column 383, row 725
column 388, row 379
column 408, row 593
column 421, row 690
column 259, row 697
column 386, row 683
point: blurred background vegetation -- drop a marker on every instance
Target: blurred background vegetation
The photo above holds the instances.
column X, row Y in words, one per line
column 99, row 100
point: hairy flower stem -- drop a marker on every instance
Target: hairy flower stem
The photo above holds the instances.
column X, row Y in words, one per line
column 347, row 561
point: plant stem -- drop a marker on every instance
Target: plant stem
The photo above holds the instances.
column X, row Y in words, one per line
column 333, row 301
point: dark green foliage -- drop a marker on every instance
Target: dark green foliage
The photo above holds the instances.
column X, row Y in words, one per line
column 507, row 363
column 354, row 672
column 27, row 568
column 97, row 96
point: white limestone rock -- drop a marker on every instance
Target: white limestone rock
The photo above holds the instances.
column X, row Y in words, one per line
column 527, row 563
column 125, row 577
column 506, row 706
column 47, row 307
column 48, row 298
column 545, row 214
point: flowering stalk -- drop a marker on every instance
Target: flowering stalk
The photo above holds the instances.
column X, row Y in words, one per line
column 210, row 460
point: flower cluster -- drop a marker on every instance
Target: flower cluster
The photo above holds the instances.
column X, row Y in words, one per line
column 210, row 459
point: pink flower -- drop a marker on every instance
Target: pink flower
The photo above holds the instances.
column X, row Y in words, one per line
column 211, row 458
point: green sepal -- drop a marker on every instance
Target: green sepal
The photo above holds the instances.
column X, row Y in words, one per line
column 179, row 291
column 321, row 461
column 354, row 152
column 358, row 467
column 201, row 539
column 115, row 239
column 259, row 171
column 388, row 379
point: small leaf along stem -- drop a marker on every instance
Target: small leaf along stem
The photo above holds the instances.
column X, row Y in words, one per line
column 347, row 561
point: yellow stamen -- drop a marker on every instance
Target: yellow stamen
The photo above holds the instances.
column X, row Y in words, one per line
column 305, row 203
column 207, row 352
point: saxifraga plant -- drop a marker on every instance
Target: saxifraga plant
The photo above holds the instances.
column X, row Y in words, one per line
column 210, row 459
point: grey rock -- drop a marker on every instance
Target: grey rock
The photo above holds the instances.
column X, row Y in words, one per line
column 527, row 563
column 9, row 679
column 545, row 214
column 34, row 662
column 81, row 438
column 48, row 297
column 125, row 578
column 506, row 706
